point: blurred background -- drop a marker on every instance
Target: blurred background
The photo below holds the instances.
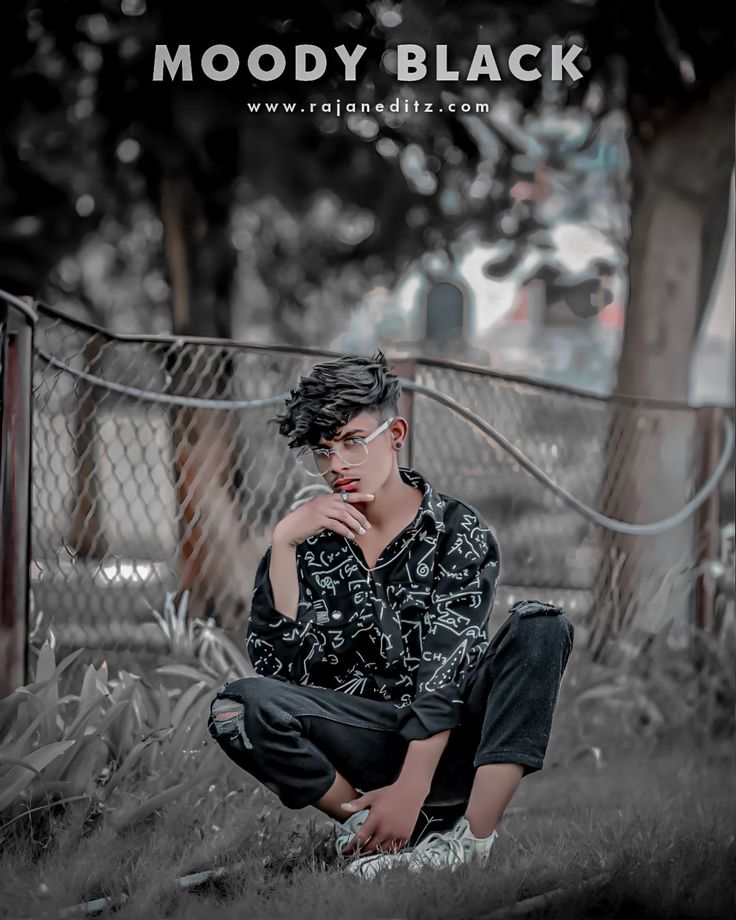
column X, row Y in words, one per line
column 502, row 238
column 556, row 257
column 570, row 250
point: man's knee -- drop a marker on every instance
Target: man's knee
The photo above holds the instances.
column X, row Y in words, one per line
column 226, row 724
column 230, row 709
column 245, row 709
column 543, row 627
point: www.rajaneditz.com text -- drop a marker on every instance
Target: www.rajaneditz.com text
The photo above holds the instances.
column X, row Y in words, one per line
column 350, row 107
column 411, row 62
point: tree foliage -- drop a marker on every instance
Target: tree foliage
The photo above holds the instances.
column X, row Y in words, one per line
column 91, row 143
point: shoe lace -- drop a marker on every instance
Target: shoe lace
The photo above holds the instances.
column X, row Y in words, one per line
column 439, row 847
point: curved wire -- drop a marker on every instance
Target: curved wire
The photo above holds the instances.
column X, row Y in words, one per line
column 602, row 520
column 21, row 305
column 168, row 399
column 591, row 514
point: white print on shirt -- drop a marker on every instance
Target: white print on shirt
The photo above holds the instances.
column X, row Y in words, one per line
column 411, row 633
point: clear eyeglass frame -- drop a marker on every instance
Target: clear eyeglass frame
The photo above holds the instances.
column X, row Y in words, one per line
column 311, row 458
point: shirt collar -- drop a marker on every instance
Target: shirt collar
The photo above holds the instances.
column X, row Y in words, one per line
column 432, row 507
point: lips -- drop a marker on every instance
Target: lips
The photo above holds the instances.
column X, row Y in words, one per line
column 345, row 485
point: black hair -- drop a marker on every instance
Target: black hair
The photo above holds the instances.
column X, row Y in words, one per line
column 333, row 393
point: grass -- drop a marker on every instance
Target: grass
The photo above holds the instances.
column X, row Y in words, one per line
column 632, row 817
column 658, row 824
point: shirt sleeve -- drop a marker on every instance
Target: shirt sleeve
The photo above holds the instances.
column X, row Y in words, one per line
column 277, row 645
column 456, row 628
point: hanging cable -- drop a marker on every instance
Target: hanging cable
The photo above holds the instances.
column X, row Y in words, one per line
column 25, row 308
column 591, row 514
column 602, row 520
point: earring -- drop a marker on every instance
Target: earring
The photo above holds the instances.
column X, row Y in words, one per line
column 398, row 445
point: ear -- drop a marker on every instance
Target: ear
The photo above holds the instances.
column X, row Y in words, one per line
column 399, row 431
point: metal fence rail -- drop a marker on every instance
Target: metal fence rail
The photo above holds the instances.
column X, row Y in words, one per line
column 134, row 496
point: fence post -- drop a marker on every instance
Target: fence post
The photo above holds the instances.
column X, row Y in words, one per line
column 710, row 428
column 15, row 483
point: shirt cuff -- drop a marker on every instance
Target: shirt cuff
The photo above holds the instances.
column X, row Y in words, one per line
column 263, row 614
column 431, row 713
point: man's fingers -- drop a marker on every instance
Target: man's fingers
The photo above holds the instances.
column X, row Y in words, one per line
column 343, row 524
column 354, row 845
column 342, row 507
column 346, row 519
column 342, row 529
column 354, row 497
column 377, row 844
column 354, row 519
column 360, row 839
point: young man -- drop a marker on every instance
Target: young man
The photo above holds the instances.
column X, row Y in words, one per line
column 380, row 693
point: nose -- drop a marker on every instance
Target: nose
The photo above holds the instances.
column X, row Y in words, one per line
column 338, row 466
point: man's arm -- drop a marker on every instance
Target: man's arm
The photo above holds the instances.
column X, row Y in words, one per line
column 456, row 632
column 279, row 645
column 284, row 578
column 281, row 641
column 421, row 761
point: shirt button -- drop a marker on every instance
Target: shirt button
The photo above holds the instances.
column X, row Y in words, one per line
column 336, row 615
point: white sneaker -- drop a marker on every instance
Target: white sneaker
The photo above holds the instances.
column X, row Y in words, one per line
column 348, row 829
column 477, row 849
column 447, row 850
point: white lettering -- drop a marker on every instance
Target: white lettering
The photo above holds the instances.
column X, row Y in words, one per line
column 231, row 67
column 182, row 58
column 410, row 64
column 254, row 62
column 562, row 62
column 519, row 52
column 442, row 72
column 319, row 62
column 483, row 64
column 350, row 60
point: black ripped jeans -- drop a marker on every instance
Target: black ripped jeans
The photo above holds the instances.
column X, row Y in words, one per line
column 294, row 738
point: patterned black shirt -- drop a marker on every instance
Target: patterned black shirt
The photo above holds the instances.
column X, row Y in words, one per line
column 410, row 632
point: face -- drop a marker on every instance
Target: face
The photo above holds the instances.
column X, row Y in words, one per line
column 380, row 461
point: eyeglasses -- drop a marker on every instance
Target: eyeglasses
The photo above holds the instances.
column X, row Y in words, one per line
column 352, row 452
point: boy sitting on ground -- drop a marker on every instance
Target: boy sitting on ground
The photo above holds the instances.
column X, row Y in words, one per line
column 380, row 692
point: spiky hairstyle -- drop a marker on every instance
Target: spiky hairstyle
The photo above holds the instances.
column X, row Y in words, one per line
column 333, row 393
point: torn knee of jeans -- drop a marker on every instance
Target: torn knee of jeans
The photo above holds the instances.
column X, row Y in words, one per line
column 535, row 608
column 230, row 714
column 227, row 722
column 549, row 621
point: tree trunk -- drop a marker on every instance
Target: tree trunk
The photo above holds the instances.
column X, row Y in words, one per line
column 653, row 462
column 86, row 535
column 204, row 441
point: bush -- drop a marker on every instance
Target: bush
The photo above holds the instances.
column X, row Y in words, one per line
column 120, row 732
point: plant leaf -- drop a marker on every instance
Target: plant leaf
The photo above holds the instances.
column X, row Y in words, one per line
column 46, row 663
column 185, row 670
column 58, row 671
column 23, row 776
column 119, row 821
column 132, row 756
column 187, row 699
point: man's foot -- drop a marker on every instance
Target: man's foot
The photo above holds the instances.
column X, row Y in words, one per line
column 449, row 850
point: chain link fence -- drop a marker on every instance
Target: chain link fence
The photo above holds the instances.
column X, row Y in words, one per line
column 136, row 493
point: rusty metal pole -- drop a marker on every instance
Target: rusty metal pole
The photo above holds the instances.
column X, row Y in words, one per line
column 15, row 484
